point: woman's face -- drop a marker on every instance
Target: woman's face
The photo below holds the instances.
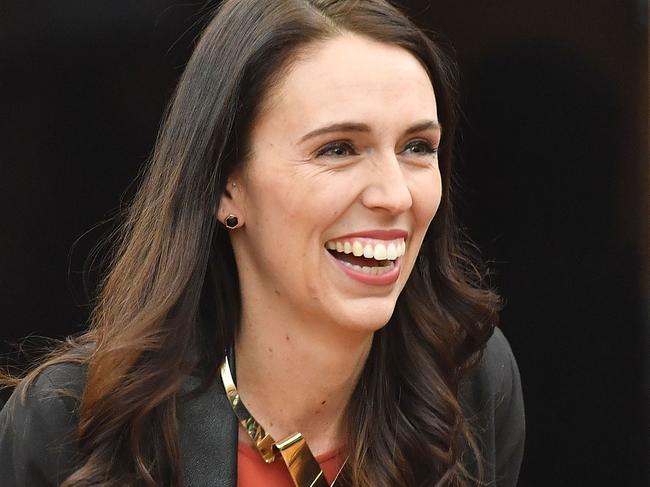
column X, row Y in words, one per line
column 344, row 163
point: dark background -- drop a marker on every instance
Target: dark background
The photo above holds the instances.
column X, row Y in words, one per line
column 553, row 164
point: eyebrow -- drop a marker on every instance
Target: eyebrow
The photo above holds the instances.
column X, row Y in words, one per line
column 362, row 127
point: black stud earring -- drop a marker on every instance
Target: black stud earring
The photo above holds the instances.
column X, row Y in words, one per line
column 231, row 221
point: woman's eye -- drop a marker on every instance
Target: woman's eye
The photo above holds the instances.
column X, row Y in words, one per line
column 422, row 147
column 337, row 149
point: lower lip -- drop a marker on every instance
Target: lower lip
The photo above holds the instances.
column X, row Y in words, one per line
column 374, row 280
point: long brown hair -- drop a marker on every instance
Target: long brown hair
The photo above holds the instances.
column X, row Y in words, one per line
column 169, row 304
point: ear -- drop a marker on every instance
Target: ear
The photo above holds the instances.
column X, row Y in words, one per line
column 230, row 204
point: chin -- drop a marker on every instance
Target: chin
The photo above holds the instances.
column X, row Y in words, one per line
column 367, row 318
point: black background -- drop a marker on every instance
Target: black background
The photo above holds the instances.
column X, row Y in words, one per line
column 553, row 165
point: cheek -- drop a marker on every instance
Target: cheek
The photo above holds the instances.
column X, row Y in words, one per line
column 284, row 214
column 270, row 205
column 426, row 193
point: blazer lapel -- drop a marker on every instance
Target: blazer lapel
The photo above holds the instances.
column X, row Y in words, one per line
column 208, row 431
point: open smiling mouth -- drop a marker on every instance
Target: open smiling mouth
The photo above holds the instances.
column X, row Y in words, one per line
column 366, row 257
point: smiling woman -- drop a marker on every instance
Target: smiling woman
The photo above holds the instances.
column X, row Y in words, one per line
column 376, row 95
column 289, row 302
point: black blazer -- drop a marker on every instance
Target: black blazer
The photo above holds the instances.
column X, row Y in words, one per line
column 36, row 448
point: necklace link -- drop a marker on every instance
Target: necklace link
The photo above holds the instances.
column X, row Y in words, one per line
column 303, row 467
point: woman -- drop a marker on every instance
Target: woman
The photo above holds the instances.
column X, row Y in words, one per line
column 296, row 218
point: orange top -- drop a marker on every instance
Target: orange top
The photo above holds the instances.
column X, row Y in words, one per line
column 252, row 471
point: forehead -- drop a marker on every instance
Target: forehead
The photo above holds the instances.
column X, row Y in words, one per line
column 350, row 78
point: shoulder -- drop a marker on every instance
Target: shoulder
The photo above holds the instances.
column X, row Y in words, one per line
column 38, row 427
column 56, row 389
column 493, row 400
column 498, row 373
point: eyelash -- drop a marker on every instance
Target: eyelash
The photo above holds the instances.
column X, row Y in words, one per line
column 428, row 147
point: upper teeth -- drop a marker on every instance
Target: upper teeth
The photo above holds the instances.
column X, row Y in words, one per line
column 387, row 250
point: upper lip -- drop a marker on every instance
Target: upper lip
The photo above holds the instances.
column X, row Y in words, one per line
column 377, row 233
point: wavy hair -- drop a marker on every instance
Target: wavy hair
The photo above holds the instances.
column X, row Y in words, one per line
column 169, row 304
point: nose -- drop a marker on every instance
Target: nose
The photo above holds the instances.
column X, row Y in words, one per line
column 387, row 188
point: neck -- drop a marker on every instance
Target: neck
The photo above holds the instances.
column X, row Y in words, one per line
column 295, row 376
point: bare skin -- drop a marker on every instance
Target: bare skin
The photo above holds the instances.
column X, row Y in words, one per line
column 290, row 385
column 307, row 327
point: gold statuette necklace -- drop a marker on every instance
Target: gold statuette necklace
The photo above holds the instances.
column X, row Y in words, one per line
column 302, row 465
